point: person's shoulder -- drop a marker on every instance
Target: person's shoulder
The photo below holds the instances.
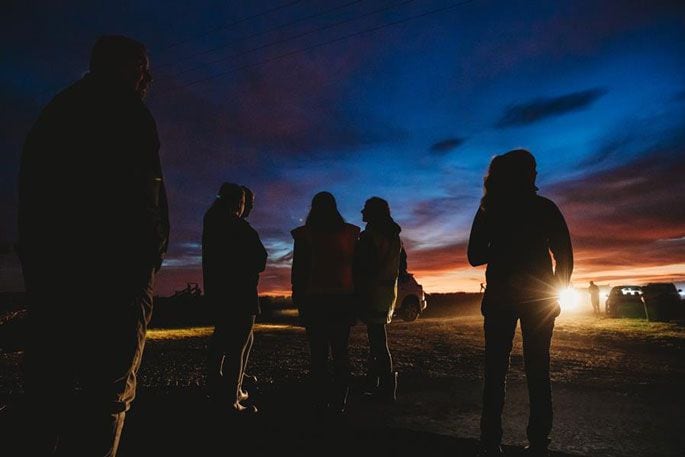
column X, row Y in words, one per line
column 546, row 203
column 352, row 229
column 244, row 225
column 299, row 232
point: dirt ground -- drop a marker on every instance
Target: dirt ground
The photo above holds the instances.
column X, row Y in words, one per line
column 617, row 389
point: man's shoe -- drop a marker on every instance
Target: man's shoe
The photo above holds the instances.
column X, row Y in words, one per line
column 243, row 395
column 489, row 450
column 535, row 451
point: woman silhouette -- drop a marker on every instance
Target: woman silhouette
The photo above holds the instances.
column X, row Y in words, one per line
column 377, row 266
column 514, row 232
column 323, row 291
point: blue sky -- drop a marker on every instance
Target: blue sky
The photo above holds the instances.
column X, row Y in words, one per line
column 411, row 112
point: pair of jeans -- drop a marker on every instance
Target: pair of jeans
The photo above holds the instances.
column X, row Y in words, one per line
column 536, row 329
column 228, row 355
column 91, row 336
column 380, row 360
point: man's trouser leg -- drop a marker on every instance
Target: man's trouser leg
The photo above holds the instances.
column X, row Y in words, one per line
column 378, row 346
column 110, row 366
column 49, row 373
column 238, row 331
column 499, row 327
column 537, row 336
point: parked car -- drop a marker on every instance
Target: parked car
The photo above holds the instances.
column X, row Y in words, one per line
column 411, row 300
column 662, row 301
column 625, row 301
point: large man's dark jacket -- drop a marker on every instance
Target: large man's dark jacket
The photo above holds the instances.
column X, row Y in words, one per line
column 91, row 193
column 232, row 258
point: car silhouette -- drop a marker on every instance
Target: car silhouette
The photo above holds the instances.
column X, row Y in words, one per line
column 625, row 301
column 411, row 300
column 662, row 301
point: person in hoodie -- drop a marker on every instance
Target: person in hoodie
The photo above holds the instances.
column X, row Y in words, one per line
column 232, row 258
column 513, row 232
column 379, row 257
column 323, row 291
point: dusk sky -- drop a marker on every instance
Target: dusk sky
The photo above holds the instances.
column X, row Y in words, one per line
column 406, row 100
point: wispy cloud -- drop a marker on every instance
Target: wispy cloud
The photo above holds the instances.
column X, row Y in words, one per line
column 542, row 108
column 444, row 146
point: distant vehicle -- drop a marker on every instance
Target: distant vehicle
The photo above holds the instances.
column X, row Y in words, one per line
column 625, row 301
column 411, row 300
column 662, row 301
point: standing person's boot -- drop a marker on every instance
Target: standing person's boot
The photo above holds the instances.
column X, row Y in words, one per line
column 387, row 387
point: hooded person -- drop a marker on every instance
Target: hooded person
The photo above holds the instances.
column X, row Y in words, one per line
column 379, row 259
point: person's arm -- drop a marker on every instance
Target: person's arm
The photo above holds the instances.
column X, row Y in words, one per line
column 154, row 226
column 259, row 252
column 560, row 246
column 365, row 266
column 479, row 241
column 299, row 274
column 403, row 261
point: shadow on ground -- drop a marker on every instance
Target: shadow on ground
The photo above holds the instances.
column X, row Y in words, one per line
column 186, row 423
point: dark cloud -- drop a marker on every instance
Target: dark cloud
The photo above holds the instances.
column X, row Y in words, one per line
column 447, row 145
column 631, row 215
column 575, row 29
column 539, row 109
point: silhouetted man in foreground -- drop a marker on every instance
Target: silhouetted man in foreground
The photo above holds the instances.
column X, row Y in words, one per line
column 232, row 258
column 514, row 232
column 93, row 228
column 593, row 290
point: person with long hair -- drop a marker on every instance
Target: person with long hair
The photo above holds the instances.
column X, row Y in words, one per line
column 232, row 258
column 377, row 267
column 513, row 232
column 323, row 291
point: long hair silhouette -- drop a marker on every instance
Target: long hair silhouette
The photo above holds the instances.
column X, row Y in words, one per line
column 509, row 177
column 324, row 214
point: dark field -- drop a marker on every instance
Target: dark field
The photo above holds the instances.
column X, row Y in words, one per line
column 617, row 384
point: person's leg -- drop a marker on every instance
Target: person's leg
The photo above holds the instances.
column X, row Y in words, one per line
column 239, row 333
column 246, row 356
column 318, row 349
column 378, row 346
column 499, row 329
column 49, row 372
column 339, row 341
column 112, row 350
column 215, row 361
column 537, row 332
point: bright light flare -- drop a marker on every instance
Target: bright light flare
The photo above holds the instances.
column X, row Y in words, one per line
column 569, row 299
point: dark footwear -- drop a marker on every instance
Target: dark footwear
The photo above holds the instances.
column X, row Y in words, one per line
column 489, row 450
column 243, row 395
column 387, row 387
column 535, row 451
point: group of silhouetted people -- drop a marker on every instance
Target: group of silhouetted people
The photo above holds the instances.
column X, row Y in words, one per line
column 92, row 206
